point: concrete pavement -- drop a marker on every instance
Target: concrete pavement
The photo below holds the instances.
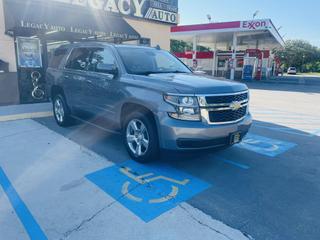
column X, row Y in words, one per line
column 267, row 188
column 48, row 173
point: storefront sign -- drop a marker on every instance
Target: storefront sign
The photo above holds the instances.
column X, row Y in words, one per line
column 29, row 53
column 160, row 15
column 145, row 41
column 256, row 25
column 158, row 10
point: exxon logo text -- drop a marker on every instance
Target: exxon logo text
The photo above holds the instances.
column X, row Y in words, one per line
column 255, row 24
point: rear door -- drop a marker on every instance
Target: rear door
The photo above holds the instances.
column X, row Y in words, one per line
column 74, row 75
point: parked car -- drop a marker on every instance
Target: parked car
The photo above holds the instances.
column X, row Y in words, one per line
column 292, row 70
column 147, row 94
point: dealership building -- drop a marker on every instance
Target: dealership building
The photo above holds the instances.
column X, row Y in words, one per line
column 31, row 29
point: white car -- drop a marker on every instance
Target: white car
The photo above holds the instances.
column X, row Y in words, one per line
column 292, row 70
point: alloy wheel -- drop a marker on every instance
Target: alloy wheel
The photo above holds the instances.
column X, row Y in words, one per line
column 137, row 137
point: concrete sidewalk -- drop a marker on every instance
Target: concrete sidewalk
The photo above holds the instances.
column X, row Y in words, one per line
column 25, row 111
column 45, row 195
column 295, row 80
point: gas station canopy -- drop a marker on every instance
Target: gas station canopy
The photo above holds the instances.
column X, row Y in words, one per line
column 250, row 34
column 253, row 38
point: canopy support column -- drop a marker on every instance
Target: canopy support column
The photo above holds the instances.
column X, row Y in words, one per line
column 214, row 60
column 194, row 48
column 234, row 57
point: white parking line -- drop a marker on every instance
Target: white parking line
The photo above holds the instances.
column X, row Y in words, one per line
column 47, row 170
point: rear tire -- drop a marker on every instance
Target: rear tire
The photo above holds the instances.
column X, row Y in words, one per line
column 140, row 137
column 61, row 111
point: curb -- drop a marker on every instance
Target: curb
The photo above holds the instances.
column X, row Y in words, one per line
column 22, row 116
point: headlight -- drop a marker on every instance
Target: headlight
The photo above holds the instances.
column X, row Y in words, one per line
column 187, row 107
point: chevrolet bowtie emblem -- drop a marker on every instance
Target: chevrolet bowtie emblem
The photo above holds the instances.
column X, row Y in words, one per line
column 235, row 106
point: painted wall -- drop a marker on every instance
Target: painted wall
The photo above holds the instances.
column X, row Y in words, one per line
column 159, row 33
column 7, row 51
column 9, row 89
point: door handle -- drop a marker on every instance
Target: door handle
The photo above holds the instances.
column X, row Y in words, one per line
column 88, row 81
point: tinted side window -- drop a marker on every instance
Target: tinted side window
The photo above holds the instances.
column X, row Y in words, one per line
column 101, row 56
column 57, row 57
column 79, row 59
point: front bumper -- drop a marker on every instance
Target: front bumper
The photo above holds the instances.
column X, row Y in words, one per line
column 184, row 135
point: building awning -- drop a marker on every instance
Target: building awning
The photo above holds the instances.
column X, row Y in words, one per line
column 23, row 16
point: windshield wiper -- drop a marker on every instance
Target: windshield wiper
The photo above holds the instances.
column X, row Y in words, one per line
column 147, row 73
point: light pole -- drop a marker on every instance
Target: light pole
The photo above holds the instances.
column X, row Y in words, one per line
column 209, row 18
column 255, row 14
column 303, row 57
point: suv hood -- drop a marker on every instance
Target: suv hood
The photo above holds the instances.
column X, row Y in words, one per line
column 185, row 83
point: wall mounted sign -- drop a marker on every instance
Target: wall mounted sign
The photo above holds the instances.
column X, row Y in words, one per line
column 29, row 52
column 145, row 41
column 157, row 10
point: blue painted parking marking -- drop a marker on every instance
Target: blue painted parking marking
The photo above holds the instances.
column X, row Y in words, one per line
column 236, row 164
column 30, row 224
column 265, row 146
column 147, row 190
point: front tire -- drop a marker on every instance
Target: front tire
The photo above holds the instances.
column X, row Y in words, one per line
column 140, row 137
column 61, row 111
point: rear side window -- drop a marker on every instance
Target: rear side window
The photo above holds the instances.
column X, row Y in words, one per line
column 57, row 57
column 79, row 59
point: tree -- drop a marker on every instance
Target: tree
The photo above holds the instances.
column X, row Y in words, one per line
column 182, row 46
column 299, row 54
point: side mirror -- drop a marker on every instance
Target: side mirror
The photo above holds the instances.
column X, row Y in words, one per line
column 108, row 69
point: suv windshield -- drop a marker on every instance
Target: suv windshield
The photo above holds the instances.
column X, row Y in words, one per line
column 145, row 61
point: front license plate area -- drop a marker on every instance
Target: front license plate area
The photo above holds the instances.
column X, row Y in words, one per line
column 235, row 138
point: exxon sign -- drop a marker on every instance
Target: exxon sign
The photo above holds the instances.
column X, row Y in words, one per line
column 256, row 24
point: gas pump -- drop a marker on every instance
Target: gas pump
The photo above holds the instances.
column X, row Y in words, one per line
column 249, row 68
column 257, row 54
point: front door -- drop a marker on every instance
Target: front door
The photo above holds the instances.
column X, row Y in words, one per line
column 75, row 76
column 100, row 88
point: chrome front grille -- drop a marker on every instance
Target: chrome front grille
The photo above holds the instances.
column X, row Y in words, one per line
column 224, row 108
column 227, row 98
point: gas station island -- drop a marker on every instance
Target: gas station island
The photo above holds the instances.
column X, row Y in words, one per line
column 240, row 49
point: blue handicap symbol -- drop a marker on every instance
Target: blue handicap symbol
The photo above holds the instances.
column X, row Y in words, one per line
column 147, row 190
column 265, row 146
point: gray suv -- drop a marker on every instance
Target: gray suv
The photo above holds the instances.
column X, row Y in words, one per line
column 149, row 95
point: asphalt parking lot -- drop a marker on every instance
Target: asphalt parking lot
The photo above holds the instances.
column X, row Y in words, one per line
column 74, row 183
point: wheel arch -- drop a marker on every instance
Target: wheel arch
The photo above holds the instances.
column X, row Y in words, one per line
column 55, row 89
column 129, row 107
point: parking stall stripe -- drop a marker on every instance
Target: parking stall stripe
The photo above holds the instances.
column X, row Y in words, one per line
column 236, row 164
column 30, row 224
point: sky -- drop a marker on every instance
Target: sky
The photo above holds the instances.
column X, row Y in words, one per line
column 299, row 19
